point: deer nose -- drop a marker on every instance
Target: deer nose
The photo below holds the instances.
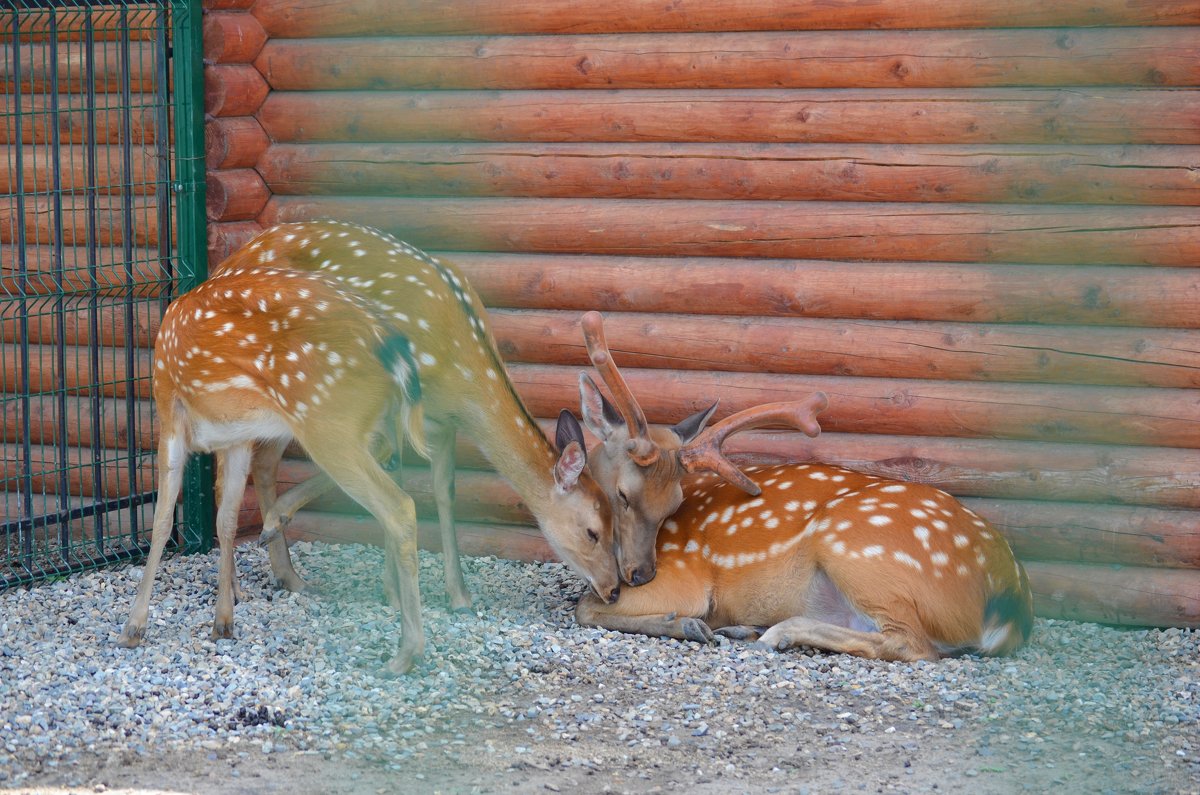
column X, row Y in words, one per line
column 614, row 594
column 641, row 575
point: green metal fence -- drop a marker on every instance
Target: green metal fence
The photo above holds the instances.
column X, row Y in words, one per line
column 101, row 225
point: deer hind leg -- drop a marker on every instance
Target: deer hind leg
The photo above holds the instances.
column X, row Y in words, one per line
column 640, row 610
column 265, row 468
column 358, row 474
column 172, row 455
column 234, row 468
column 441, row 442
column 894, row 645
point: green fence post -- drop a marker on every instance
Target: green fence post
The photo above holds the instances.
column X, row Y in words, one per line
column 198, row 510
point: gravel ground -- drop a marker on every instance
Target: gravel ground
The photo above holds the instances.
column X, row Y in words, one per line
column 519, row 699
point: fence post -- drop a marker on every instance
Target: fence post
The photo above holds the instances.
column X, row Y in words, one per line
column 198, row 510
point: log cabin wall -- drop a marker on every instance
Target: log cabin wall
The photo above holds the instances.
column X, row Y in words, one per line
column 975, row 225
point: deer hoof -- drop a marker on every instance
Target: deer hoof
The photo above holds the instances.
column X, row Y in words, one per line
column 131, row 637
column 222, row 630
column 697, row 630
column 741, row 632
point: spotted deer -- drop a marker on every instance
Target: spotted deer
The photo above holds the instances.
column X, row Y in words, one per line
column 465, row 387
column 795, row 554
column 640, row 466
column 263, row 353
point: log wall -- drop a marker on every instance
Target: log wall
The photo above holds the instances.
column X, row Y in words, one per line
column 975, row 225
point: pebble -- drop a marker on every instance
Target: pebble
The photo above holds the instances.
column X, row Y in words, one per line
column 302, row 674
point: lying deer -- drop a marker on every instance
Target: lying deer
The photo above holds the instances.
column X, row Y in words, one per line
column 796, row 554
column 265, row 353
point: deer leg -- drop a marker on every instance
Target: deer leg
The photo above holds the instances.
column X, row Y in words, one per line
column 235, row 467
column 265, row 468
column 639, row 610
column 441, row 442
column 172, row 454
column 741, row 632
column 890, row 644
column 357, row 472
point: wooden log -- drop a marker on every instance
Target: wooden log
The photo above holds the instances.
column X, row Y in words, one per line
column 45, row 67
column 37, row 113
column 233, row 90
column 112, row 425
column 880, row 349
column 39, row 221
column 759, row 59
column 51, row 473
column 1134, row 596
column 227, row 5
column 313, row 18
column 112, row 317
column 1052, row 234
column 37, row 171
column 1053, row 413
column 907, row 116
column 45, row 376
column 1077, row 533
column 108, row 24
column 233, row 142
column 1042, row 530
column 1116, row 594
column 116, row 527
column 235, row 195
column 226, row 238
column 108, row 277
column 1157, row 175
column 881, row 290
column 232, row 37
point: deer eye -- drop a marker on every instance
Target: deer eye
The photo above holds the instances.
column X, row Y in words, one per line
column 592, row 535
column 624, row 499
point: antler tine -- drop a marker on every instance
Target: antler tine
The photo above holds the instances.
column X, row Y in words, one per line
column 704, row 452
column 641, row 449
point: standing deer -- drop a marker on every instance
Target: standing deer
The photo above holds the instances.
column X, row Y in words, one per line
column 796, row 554
column 465, row 387
column 264, row 353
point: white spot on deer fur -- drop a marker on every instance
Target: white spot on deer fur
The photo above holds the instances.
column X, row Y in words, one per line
column 772, row 523
column 921, row 532
column 284, row 380
column 838, row 478
column 961, row 540
column 839, row 548
column 728, row 514
column 929, row 503
column 895, row 488
column 907, row 560
column 749, row 520
column 792, row 506
column 939, row 524
column 731, row 529
column 843, row 525
column 817, row 475
column 428, row 360
column 668, row 547
column 962, row 570
column 423, row 323
column 918, row 513
column 770, row 482
column 334, row 357
column 787, row 484
column 980, row 558
column 879, row 520
column 359, row 252
column 873, row 551
column 491, row 374
column 671, row 525
column 939, row 558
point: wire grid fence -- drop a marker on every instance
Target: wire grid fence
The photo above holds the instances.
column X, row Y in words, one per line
column 89, row 244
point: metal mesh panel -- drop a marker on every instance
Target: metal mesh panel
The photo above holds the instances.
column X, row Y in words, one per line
column 88, row 243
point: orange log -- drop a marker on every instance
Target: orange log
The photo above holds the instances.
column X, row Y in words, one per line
column 1157, row 175
column 233, row 90
column 235, row 195
column 37, row 114
column 906, row 116
column 110, row 278
column 113, row 427
column 942, row 351
column 881, row 290
column 1064, row 234
column 234, row 142
column 45, row 376
column 1053, row 413
column 759, row 59
column 49, row 470
column 37, row 170
column 316, row 18
column 108, row 23
column 112, row 318
column 227, row 5
column 39, row 221
column 232, row 37
column 226, row 238
column 1116, row 594
column 39, row 62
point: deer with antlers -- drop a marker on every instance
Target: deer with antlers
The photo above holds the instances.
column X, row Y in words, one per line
column 796, row 554
column 263, row 353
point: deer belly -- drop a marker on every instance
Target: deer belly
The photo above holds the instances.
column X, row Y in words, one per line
column 207, row 435
column 827, row 603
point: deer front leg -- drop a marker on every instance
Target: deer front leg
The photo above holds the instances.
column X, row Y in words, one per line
column 172, row 454
column 234, row 468
column 639, row 610
column 265, row 468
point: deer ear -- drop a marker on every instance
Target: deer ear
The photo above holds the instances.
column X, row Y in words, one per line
column 569, row 466
column 689, row 428
column 600, row 416
column 568, row 431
